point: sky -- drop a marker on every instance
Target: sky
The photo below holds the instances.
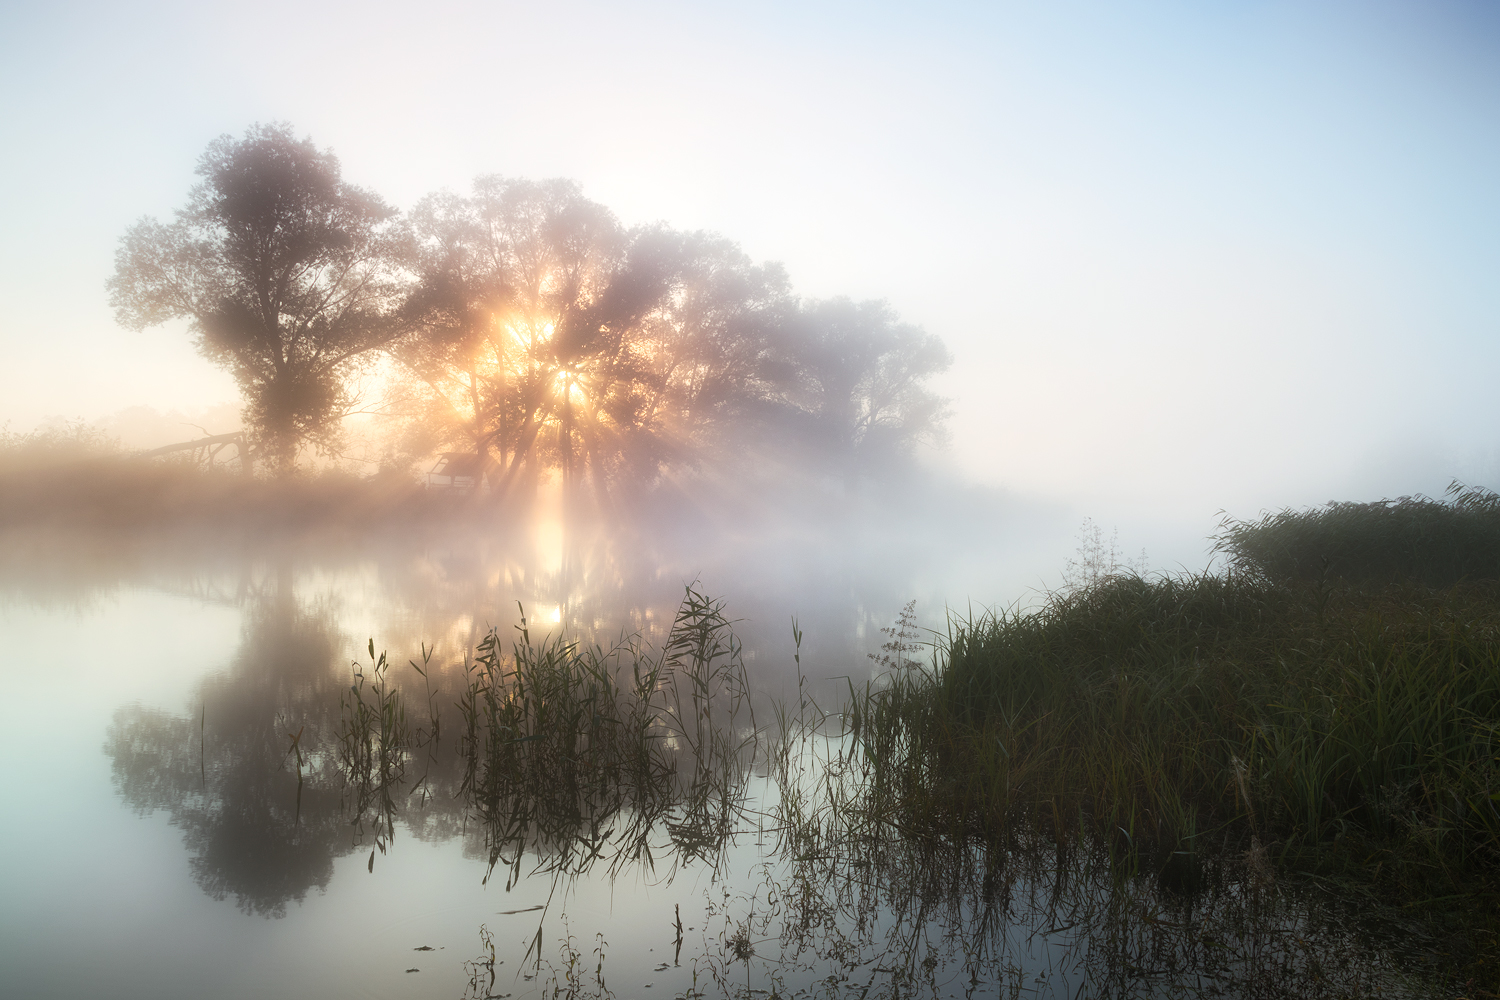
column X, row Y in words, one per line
column 1188, row 257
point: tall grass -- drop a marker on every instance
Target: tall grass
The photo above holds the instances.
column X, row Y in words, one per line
column 1340, row 733
column 1213, row 734
column 578, row 752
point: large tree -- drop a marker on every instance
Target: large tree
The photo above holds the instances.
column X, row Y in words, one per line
column 287, row 274
column 547, row 336
column 527, row 331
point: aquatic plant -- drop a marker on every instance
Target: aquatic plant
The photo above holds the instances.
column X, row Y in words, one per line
column 1346, row 735
column 586, row 749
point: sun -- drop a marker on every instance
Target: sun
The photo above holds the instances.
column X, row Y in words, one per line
column 568, row 387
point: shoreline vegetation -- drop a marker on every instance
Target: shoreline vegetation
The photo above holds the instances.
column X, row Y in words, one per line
column 518, row 331
column 1321, row 719
column 76, row 477
column 1328, row 708
column 1260, row 732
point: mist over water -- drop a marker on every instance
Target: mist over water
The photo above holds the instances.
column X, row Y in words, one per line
column 188, row 688
column 550, row 324
column 152, row 638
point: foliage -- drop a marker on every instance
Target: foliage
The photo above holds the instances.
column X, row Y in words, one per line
column 861, row 372
column 563, row 743
column 286, row 273
column 1350, row 736
column 52, row 446
column 1433, row 542
column 543, row 334
column 529, row 327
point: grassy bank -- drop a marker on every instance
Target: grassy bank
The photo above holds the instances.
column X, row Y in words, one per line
column 1345, row 734
column 124, row 493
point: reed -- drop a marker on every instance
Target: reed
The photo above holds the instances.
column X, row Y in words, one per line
column 1347, row 734
column 1214, row 734
column 586, row 750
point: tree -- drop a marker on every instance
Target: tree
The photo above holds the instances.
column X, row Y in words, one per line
column 862, row 375
column 287, row 274
column 509, row 280
column 710, row 346
column 548, row 336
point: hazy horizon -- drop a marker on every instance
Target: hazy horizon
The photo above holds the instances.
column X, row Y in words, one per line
column 1186, row 260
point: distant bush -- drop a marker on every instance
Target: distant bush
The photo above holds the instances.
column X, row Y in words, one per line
column 52, row 446
column 1413, row 539
column 119, row 491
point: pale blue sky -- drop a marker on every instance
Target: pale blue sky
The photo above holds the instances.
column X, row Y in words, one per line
column 1188, row 255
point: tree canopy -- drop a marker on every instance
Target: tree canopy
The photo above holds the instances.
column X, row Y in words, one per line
column 287, row 273
column 527, row 325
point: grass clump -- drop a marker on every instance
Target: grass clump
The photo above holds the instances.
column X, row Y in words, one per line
column 1348, row 735
column 581, row 748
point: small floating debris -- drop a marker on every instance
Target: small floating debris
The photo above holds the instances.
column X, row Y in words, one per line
column 425, row 947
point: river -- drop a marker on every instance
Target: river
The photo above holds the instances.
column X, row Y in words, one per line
column 180, row 826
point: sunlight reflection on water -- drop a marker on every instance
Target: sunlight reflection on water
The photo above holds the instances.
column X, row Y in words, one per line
column 237, row 868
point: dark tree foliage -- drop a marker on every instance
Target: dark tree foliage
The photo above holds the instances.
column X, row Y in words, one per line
column 547, row 336
column 285, row 272
column 529, row 326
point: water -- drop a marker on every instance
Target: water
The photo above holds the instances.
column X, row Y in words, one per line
column 165, row 839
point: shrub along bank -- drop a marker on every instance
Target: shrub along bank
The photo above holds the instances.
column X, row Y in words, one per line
column 1345, row 728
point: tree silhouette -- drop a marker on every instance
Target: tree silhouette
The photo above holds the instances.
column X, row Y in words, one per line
column 285, row 272
column 860, row 376
column 528, row 331
column 712, row 346
column 547, row 336
column 532, row 328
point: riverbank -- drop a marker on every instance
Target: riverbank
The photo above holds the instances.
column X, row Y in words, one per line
column 1339, row 734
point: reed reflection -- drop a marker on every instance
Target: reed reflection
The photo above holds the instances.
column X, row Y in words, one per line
column 559, row 761
column 545, row 757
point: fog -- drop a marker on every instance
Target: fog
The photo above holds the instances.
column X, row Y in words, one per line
column 1184, row 260
column 338, row 328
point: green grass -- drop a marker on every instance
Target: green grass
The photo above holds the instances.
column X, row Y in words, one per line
column 1343, row 734
column 1412, row 539
column 575, row 754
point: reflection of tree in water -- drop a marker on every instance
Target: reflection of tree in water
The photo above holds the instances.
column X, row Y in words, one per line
column 270, row 787
column 259, row 832
column 857, row 910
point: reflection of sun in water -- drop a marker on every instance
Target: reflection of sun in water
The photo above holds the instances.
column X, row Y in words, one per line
column 460, row 633
column 557, row 614
column 549, row 546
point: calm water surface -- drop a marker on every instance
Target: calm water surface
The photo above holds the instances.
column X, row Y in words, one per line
column 159, row 843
